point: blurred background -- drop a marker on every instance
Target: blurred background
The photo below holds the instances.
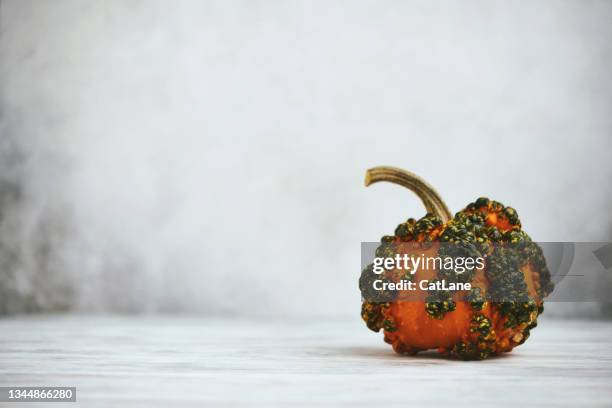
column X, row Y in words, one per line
column 207, row 157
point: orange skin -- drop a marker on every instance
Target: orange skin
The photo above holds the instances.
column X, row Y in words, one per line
column 417, row 331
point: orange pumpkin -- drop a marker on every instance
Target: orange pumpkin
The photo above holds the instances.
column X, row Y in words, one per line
column 506, row 296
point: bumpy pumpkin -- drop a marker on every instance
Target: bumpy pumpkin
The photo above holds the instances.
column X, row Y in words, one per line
column 506, row 297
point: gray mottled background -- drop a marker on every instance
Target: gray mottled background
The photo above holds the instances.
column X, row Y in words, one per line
column 208, row 156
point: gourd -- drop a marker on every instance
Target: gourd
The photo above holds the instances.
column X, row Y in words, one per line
column 496, row 314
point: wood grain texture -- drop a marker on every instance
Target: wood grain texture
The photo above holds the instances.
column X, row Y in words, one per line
column 181, row 361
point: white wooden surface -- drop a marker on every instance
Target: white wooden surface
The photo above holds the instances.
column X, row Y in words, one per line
column 181, row 361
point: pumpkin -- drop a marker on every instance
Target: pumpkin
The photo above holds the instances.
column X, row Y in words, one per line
column 506, row 294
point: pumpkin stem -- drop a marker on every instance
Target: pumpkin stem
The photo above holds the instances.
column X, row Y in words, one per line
column 430, row 197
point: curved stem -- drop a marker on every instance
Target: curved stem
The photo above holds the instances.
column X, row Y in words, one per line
column 430, row 197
